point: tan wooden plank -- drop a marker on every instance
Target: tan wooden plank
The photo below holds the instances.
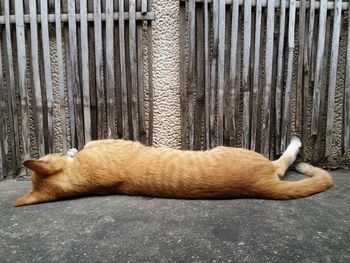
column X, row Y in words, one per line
column 266, row 138
column 85, row 70
column 38, row 104
column 22, row 83
column 245, row 72
column 287, row 92
column 133, row 70
column 333, row 75
column 319, row 62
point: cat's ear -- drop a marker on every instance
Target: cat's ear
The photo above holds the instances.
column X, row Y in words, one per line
column 31, row 198
column 41, row 167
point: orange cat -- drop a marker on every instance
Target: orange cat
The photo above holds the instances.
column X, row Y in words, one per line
column 125, row 167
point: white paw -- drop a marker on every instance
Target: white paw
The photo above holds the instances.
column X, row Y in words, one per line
column 295, row 142
column 72, row 152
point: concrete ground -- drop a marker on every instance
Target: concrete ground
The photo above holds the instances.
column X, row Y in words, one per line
column 140, row 229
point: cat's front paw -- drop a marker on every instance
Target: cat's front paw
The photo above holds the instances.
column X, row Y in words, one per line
column 295, row 142
column 72, row 153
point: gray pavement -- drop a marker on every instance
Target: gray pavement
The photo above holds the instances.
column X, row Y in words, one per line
column 143, row 229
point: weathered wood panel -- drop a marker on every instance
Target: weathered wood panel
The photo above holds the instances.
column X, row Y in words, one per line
column 271, row 55
column 73, row 70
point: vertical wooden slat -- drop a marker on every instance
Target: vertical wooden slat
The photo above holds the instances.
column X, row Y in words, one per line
column 92, row 74
column 206, row 75
column 286, row 106
column 69, row 81
column 318, row 150
column 213, row 71
column 22, row 83
column 221, row 72
column 133, row 68
column 61, row 73
column 73, row 56
column 300, row 69
column 183, row 71
column 3, row 125
column 150, row 78
column 279, row 83
column 319, row 62
column 333, row 75
column 36, row 78
column 265, row 146
column 311, row 35
column 200, row 93
column 123, row 70
column 47, row 73
column 144, row 6
column 245, row 72
column 98, row 66
column 347, row 95
column 85, row 69
column 191, row 67
column 11, row 97
column 233, row 69
column 109, row 62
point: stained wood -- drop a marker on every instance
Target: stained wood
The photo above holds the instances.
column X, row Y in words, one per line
column 183, row 71
column 300, row 70
column 319, row 62
column 206, row 75
column 233, row 71
column 140, row 85
column 85, row 70
column 221, row 72
column 265, row 145
column 3, row 125
column 200, row 90
column 22, row 84
column 347, row 95
column 122, row 62
column 39, row 118
column 11, row 91
column 109, row 71
column 245, row 72
column 279, row 80
column 133, row 69
column 213, row 72
column 333, row 75
column 191, row 68
column 150, row 83
column 287, row 93
column 98, row 66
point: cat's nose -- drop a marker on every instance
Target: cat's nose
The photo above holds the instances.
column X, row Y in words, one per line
column 72, row 152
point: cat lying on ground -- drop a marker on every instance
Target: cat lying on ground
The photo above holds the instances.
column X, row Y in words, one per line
column 125, row 167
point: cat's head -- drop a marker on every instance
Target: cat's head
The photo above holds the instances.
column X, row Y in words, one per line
column 49, row 179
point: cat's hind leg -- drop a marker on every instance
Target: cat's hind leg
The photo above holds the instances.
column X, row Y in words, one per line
column 288, row 157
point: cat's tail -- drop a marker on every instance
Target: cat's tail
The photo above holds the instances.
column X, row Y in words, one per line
column 319, row 181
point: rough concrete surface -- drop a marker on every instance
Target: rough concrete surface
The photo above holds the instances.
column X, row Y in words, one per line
column 140, row 229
